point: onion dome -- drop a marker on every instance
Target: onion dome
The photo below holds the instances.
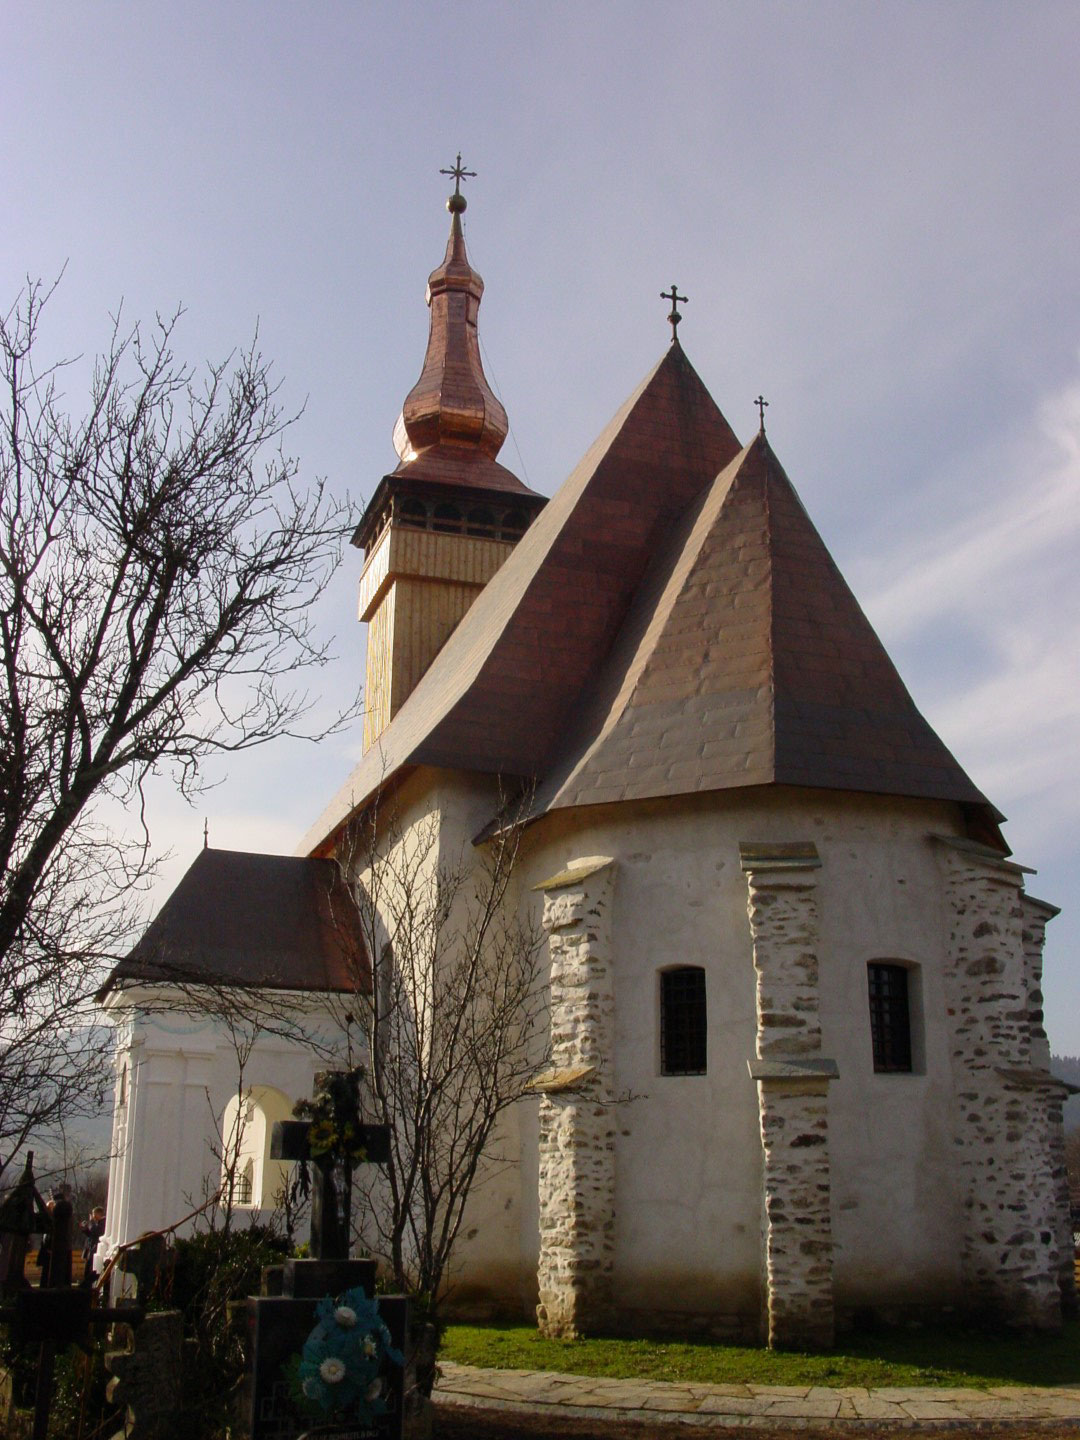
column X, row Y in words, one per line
column 452, row 402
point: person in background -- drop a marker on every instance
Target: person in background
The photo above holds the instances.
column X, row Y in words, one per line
column 92, row 1230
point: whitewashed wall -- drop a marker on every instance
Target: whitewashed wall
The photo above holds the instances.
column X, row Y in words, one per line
column 176, row 1076
column 687, row 1153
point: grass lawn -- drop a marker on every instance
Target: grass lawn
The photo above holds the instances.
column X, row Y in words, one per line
column 870, row 1358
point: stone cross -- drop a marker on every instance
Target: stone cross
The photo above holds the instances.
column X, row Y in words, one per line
column 331, row 1212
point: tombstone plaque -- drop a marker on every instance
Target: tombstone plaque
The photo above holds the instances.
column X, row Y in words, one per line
column 282, row 1405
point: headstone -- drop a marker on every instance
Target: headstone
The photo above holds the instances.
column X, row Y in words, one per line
column 146, row 1265
column 279, row 1325
column 146, row 1377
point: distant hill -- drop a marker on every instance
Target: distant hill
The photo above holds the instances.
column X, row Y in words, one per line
column 1067, row 1067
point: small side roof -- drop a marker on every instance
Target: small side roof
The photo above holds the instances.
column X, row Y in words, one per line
column 277, row 922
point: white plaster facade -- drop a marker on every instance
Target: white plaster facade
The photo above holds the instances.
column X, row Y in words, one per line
column 663, row 1199
column 727, row 771
column 176, row 1099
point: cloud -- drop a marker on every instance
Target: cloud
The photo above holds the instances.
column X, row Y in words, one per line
column 1001, row 579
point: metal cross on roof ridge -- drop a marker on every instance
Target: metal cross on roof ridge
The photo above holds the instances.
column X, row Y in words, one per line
column 762, row 405
column 674, row 318
column 458, row 173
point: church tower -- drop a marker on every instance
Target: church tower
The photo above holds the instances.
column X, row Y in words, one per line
column 442, row 523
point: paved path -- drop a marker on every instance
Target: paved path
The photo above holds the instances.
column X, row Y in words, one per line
column 725, row 1406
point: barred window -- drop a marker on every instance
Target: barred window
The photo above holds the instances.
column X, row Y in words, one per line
column 245, row 1184
column 683, row 1032
column 890, row 1017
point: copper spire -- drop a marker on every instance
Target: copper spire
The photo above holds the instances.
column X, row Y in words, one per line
column 452, row 402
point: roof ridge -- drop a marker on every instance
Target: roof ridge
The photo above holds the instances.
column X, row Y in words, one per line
column 770, row 552
column 679, row 552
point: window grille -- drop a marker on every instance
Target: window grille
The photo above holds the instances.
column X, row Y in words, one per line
column 890, row 1018
column 244, row 1185
column 683, row 1030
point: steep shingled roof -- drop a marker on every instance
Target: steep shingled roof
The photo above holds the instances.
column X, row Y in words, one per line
column 746, row 660
column 497, row 696
column 273, row 922
column 671, row 623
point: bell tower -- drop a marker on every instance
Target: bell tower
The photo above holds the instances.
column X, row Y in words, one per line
column 441, row 524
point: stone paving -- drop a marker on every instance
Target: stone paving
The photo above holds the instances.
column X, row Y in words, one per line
column 727, row 1406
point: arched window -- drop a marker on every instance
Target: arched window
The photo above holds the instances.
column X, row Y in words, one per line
column 413, row 512
column 246, row 1128
column 683, row 1022
column 890, row 988
column 480, row 521
column 514, row 524
column 447, row 519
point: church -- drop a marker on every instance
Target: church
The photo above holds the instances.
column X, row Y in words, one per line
column 794, row 1067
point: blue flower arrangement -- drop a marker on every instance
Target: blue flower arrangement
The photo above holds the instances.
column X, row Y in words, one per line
column 338, row 1370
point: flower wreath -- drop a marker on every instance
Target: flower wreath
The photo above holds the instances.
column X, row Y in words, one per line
column 339, row 1367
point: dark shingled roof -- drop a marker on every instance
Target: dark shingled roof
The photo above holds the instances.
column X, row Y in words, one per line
column 497, row 695
column 671, row 623
column 746, row 660
column 268, row 921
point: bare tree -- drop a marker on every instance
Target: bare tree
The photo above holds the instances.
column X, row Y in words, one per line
column 157, row 565
column 452, row 1028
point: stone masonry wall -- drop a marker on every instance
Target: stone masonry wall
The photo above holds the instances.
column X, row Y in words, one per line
column 792, row 1080
column 1011, row 1260
column 1036, row 915
column 577, row 1125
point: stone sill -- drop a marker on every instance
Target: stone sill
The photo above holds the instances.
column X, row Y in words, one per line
column 575, row 873
column 551, row 1082
column 793, row 1069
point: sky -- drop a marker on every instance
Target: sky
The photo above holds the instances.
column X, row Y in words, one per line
column 874, row 209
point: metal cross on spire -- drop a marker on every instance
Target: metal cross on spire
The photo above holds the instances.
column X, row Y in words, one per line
column 674, row 318
column 762, row 405
column 457, row 172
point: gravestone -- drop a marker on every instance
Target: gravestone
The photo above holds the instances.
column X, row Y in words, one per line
column 279, row 1325
column 146, row 1377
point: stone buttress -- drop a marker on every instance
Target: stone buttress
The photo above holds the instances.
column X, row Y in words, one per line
column 1016, row 1244
column 793, row 1084
column 1036, row 917
column 577, row 1121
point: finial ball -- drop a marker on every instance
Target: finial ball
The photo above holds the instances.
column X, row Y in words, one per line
column 456, row 203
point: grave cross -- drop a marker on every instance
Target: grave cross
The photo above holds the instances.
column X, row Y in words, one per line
column 333, row 1164
column 54, row 1314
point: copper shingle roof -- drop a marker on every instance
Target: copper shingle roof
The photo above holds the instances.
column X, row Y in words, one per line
column 497, row 696
column 267, row 921
column 452, row 425
column 746, row 660
column 671, row 623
